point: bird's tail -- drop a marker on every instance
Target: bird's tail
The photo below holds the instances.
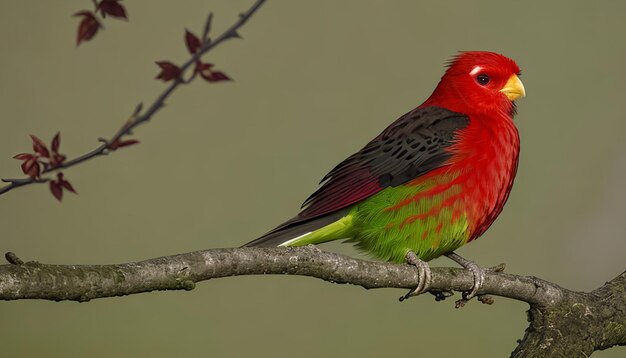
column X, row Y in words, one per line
column 300, row 232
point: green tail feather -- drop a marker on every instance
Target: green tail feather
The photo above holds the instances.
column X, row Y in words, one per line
column 340, row 229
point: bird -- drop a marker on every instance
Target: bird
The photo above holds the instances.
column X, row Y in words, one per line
column 432, row 181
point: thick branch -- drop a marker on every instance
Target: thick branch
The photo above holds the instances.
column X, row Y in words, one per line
column 579, row 324
column 562, row 322
column 86, row 282
column 138, row 117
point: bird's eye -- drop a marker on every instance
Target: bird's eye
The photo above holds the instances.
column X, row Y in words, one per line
column 483, row 79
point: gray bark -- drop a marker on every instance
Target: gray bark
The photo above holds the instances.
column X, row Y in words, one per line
column 563, row 323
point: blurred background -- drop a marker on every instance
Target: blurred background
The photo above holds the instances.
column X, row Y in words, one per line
column 224, row 163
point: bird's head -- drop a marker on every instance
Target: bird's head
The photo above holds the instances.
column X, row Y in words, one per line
column 479, row 82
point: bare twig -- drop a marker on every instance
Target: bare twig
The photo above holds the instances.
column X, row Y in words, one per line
column 207, row 28
column 159, row 102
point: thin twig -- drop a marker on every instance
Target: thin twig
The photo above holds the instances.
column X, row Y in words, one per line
column 159, row 102
column 207, row 28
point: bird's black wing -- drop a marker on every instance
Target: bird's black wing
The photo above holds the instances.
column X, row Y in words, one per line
column 411, row 146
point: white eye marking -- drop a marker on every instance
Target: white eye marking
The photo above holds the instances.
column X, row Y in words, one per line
column 475, row 70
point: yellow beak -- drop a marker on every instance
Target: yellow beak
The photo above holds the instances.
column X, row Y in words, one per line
column 513, row 88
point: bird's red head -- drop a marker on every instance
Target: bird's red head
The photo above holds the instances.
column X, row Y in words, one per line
column 479, row 83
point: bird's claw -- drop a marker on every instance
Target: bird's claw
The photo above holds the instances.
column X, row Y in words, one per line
column 479, row 279
column 423, row 273
column 477, row 271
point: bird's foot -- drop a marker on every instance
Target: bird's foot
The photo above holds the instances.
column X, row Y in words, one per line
column 477, row 271
column 423, row 274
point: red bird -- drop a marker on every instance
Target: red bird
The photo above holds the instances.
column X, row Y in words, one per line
column 433, row 180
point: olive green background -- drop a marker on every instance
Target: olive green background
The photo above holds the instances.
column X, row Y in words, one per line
column 223, row 163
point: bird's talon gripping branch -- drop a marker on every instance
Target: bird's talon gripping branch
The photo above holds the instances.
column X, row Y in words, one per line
column 423, row 273
column 479, row 278
column 477, row 271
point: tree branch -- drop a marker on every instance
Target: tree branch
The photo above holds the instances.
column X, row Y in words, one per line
column 86, row 282
column 561, row 321
column 138, row 118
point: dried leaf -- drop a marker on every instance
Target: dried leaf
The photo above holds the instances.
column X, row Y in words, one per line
column 169, row 71
column 88, row 26
column 39, row 146
column 192, row 41
column 113, row 8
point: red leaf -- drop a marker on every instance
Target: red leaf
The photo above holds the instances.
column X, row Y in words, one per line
column 56, row 142
column 217, row 76
column 40, row 147
column 205, row 70
column 203, row 67
column 113, row 8
column 88, row 26
column 24, row 156
column 56, row 159
column 56, row 190
column 200, row 67
column 169, row 71
column 126, row 143
column 64, row 183
column 192, row 41
column 57, row 186
column 31, row 167
column 119, row 144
